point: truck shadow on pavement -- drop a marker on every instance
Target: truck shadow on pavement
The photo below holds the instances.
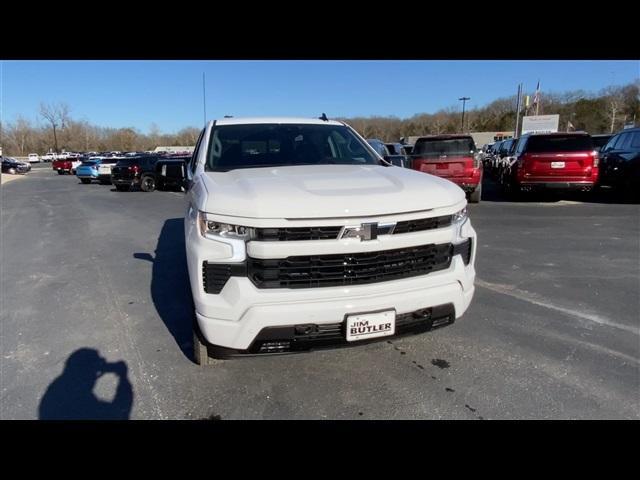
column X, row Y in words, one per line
column 71, row 395
column 170, row 288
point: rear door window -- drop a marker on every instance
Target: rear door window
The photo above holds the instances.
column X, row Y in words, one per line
column 611, row 143
column 505, row 147
column 559, row 143
column 442, row 146
column 196, row 151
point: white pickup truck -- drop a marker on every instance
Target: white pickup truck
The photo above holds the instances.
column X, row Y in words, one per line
column 299, row 236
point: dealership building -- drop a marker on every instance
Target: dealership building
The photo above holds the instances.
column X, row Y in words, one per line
column 174, row 149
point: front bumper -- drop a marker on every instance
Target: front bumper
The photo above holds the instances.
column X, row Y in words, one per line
column 91, row 176
column 236, row 316
column 305, row 337
column 405, row 296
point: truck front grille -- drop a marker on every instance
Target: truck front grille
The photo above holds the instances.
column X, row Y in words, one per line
column 422, row 224
column 348, row 269
column 331, row 233
column 297, row 233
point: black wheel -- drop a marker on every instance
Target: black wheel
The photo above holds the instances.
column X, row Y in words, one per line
column 12, row 171
column 122, row 188
column 85, row 180
column 200, row 352
column 476, row 195
column 147, row 183
column 60, row 172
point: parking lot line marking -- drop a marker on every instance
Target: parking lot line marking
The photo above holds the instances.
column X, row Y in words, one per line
column 527, row 297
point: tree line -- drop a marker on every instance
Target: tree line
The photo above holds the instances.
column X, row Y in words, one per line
column 58, row 132
column 606, row 111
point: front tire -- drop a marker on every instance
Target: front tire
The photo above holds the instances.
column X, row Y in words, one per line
column 60, row 172
column 147, row 184
column 85, row 180
column 12, row 171
column 200, row 352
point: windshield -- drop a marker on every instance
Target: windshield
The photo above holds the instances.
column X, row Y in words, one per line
column 270, row 145
column 441, row 146
column 127, row 163
column 559, row 143
column 88, row 163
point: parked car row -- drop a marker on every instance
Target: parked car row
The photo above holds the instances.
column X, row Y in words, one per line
column 145, row 171
column 566, row 161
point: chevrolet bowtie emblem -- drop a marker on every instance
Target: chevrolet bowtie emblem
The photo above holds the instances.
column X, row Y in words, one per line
column 367, row 231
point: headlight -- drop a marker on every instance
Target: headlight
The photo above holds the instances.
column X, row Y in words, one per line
column 460, row 217
column 214, row 229
column 458, row 220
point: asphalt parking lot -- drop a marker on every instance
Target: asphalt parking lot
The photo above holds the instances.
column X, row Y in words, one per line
column 552, row 332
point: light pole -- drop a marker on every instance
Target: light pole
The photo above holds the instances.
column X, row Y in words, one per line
column 464, row 101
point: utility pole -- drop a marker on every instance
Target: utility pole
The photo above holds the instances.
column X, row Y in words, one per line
column 464, row 101
column 515, row 133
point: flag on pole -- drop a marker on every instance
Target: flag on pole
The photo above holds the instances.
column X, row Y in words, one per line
column 570, row 126
column 536, row 97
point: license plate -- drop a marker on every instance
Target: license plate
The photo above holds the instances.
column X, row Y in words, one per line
column 364, row 326
column 557, row 164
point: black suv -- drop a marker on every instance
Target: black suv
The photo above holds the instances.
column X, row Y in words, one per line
column 149, row 172
column 620, row 161
column 128, row 173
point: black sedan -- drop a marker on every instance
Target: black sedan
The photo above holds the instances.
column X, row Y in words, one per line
column 13, row 166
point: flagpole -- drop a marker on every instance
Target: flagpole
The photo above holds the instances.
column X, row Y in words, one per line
column 515, row 133
column 538, row 98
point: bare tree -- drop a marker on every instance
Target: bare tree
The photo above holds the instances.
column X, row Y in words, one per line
column 58, row 117
column 19, row 134
column 615, row 103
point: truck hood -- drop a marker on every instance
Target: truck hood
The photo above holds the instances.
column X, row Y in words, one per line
column 325, row 191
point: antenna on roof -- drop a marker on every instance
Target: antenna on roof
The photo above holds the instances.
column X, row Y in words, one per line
column 204, row 100
column 324, row 117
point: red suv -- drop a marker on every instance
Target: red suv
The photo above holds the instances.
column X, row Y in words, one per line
column 453, row 157
column 554, row 161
